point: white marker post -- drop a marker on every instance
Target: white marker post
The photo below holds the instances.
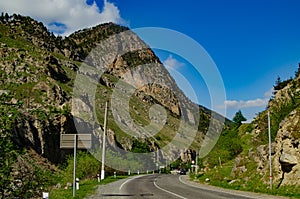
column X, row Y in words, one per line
column 77, row 183
column 45, row 195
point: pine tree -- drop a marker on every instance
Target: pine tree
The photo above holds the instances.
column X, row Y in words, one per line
column 239, row 118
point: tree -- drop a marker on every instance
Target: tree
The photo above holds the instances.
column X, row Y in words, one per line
column 279, row 84
column 278, row 81
column 297, row 73
column 239, row 118
column 6, row 17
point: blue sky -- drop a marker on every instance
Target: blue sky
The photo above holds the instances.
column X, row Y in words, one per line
column 251, row 42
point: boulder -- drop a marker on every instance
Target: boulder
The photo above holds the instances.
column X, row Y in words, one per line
column 286, row 158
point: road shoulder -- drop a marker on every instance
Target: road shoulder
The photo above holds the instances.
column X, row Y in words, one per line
column 186, row 180
column 113, row 188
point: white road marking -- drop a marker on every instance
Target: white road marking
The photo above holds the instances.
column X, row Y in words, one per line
column 179, row 196
column 129, row 180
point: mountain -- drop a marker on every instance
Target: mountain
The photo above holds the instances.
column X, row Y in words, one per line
column 52, row 85
column 240, row 159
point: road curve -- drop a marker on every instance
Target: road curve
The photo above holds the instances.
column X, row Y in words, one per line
column 168, row 186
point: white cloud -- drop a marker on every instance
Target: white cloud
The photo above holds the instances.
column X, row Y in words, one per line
column 172, row 62
column 259, row 102
column 253, row 103
column 74, row 14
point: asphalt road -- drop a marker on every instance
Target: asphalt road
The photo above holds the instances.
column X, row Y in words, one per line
column 167, row 186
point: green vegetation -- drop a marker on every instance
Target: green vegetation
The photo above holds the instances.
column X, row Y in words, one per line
column 220, row 164
column 87, row 167
column 226, row 149
column 140, row 147
column 8, row 153
column 233, row 161
column 239, row 118
column 86, row 170
column 288, row 101
column 279, row 84
column 253, row 183
column 20, row 176
column 86, row 187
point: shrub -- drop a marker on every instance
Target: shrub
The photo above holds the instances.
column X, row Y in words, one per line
column 86, row 166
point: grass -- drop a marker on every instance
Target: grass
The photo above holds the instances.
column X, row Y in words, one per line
column 86, row 188
column 221, row 177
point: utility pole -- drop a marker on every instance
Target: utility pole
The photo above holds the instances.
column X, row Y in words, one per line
column 270, row 149
column 157, row 159
column 103, row 146
column 196, row 169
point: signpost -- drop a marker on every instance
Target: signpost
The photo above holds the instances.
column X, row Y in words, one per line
column 74, row 141
column 83, row 141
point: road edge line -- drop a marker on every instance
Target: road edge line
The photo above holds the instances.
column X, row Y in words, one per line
column 179, row 196
column 128, row 180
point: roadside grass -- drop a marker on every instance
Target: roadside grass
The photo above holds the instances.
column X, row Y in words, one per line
column 86, row 188
column 220, row 177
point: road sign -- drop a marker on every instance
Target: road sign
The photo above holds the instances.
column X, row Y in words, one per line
column 84, row 141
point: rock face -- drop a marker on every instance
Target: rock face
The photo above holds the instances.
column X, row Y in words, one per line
column 287, row 156
column 43, row 135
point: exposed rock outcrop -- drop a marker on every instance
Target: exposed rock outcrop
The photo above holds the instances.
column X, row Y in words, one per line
column 287, row 156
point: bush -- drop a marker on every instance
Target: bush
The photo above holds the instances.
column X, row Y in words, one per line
column 86, row 166
column 140, row 147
